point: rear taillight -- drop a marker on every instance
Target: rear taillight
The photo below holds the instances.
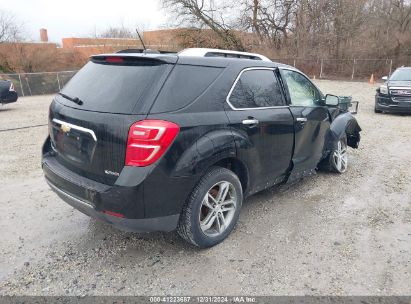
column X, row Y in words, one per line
column 148, row 140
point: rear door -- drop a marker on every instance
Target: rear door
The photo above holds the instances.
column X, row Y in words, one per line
column 89, row 124
column 312, row 121
column 264, row 126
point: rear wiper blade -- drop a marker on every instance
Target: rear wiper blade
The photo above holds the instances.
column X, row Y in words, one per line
column 73, row 99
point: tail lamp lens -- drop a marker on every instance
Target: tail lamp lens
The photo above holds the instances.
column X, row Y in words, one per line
column 148, row 140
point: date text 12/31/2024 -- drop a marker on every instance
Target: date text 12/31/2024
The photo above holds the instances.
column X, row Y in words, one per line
column 203, row 299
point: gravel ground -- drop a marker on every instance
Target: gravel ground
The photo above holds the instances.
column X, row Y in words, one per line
column 326, row 235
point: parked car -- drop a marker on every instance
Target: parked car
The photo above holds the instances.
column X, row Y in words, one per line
column 155, row 142
column 394, row 96
column 7, row 92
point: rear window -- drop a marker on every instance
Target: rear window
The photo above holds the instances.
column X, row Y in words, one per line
column 112, row 88
column 184, row 85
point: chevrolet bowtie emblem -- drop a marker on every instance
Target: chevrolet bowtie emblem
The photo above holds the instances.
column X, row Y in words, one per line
column 65, row 128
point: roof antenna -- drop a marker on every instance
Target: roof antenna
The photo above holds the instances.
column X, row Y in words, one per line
column 142, row 42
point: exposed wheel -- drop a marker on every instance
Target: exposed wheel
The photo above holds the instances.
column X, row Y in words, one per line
column 212, row 210
column 337, row 160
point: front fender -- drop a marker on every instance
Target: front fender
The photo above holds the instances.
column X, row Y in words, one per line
column 206, row 151
column 343, row 124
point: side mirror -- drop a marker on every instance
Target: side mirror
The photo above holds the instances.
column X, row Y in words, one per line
column 385, row 78
column 7, row 92
column 332, row 100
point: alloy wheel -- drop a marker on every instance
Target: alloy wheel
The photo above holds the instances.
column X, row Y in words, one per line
column 340, row 157
column 218, row 209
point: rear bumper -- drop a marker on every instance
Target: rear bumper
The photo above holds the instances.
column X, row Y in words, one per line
column 386, row 104
column 144, row 200
column 164, row 223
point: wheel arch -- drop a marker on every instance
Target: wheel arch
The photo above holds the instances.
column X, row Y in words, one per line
column 239, row 169
column 215, row 148
column 206, row 151
column 343, row 124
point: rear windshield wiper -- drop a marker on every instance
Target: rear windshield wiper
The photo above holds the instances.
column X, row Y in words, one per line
column 73, row 99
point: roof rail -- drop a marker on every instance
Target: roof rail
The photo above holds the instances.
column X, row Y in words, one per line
column 204, row 52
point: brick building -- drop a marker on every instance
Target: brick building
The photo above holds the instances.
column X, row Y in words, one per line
column 74, row 52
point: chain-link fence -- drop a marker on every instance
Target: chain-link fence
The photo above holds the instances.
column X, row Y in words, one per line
column 27, row 84
column 345, row 69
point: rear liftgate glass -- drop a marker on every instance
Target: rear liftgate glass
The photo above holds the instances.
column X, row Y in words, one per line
column 93, row 137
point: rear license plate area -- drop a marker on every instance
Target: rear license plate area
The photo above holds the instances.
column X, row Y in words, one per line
column 72, row 143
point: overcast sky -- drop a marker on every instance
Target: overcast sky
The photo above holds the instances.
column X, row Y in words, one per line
column 80, row 18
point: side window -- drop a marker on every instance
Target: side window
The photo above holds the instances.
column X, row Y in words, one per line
column 256, row 89
column 183, row 86
column 302, row 91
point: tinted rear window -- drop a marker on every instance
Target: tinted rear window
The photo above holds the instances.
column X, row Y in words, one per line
column 112, row 88
column 184, row 85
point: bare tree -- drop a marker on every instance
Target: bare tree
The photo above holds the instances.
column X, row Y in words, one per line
column 10, row 29
column 348, row 17
column 209, row 14
column 302, row 28
column 400, row 18
column 272, row 21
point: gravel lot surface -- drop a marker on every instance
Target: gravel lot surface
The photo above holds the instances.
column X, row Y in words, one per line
column 329, row 234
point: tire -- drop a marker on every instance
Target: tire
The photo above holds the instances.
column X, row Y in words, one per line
column 201, row 221
column 337, row 160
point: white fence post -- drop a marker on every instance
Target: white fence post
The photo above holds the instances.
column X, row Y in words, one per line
column 353, row 70
column 321, row 70
column 28, row 84
column 21, row 86
column 58, row 80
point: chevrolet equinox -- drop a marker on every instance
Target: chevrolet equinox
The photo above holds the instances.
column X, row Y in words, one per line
column 158, row 142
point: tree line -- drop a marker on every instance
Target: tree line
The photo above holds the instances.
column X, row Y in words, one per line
column 303, row 28
column 308, row 29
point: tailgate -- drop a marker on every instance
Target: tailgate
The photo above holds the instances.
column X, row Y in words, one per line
column 90, row 118
column 92, row 144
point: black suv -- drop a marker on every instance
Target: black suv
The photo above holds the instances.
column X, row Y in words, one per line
column 394, row 96
column 154, row 142
column 7, row 92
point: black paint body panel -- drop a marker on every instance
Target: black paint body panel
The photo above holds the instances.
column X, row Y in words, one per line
column 265, row 149
column 309, row 136
column 107, row 153
column 7, row 93
column 211, row 132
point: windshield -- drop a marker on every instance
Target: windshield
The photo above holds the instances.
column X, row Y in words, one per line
column 111, row 88
column 401, row 75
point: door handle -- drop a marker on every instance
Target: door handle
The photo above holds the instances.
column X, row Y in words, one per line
column 250, row 122
column 301, row 119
